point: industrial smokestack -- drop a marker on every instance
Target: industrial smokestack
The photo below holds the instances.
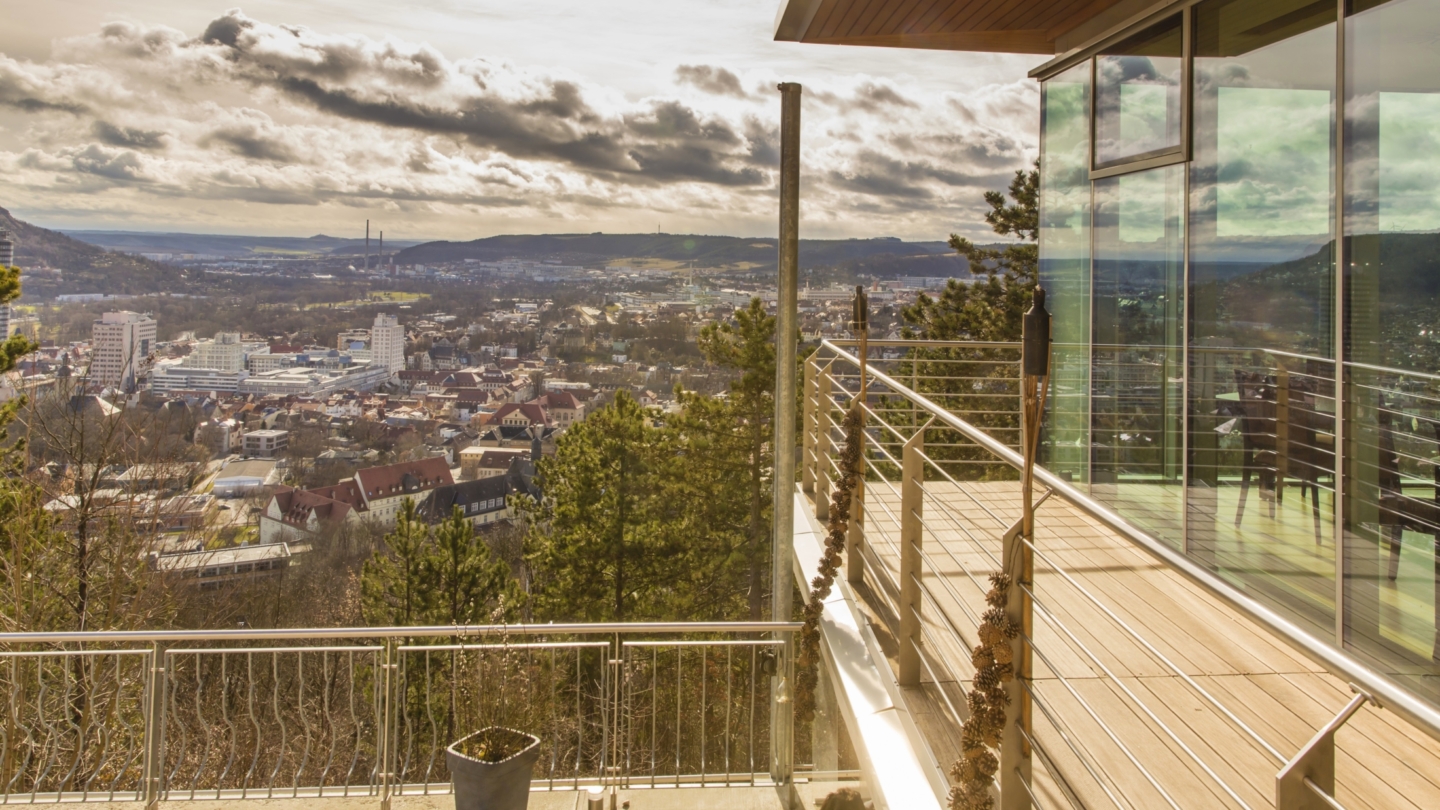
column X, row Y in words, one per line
column 380, row 254
column 367, row 245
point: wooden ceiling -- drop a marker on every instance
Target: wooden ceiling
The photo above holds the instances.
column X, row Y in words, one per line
column 1006, row 26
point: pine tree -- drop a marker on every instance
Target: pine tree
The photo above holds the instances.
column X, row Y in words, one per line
column 395, row 586
column 601, row 544
column 747, row 346
column 467, row 579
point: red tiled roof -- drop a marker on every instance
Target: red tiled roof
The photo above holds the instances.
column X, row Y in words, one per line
column 297, row 505
column 410, row 476
column 557, row 399
column 530, row 410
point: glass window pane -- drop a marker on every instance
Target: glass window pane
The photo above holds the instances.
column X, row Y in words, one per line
column 1065, row 266
column 1137, row 95
column 1261, row 413
column 1138, row 379
column 1392, row 283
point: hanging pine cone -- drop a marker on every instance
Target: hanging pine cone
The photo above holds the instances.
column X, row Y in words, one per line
column 808, row 658
column 993, row 660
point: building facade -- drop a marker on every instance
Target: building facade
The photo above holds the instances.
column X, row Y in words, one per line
column 121, row 346
column 227, row 352
column 1239, row 214
column 387, row 343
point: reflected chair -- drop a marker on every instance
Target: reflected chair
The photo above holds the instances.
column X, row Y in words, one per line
column 1300, row 429
column 1256, row 414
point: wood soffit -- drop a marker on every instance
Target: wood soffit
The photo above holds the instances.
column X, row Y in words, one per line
column 1003, row 26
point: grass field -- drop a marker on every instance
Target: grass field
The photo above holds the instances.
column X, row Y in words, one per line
column 373, row 299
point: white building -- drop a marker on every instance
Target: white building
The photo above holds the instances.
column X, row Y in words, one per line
column 172, row 377
column 122, row 344
column 227, row 352
column 387, row 343
column 307, row 381
column 265, row 443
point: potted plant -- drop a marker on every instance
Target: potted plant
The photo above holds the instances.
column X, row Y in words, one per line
column 491, row 769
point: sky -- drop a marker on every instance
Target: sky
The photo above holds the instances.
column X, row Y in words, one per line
column 458, row 119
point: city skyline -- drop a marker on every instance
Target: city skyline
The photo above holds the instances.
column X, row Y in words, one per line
column 457, row 123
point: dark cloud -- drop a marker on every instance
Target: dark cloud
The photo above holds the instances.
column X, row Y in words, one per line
column 874, row 98
column 124, row 166
column 714, row 80
column 878, row 174
column 127, row 137
column 251, row 144
column 226, row 30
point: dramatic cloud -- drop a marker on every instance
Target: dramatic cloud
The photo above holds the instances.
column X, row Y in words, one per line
column 252, row 113
column 716, row 80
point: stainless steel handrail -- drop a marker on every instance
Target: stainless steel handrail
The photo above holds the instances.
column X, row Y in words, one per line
column 448, row 631
column 1390, row 695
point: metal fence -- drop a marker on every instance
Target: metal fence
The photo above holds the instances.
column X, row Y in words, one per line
column 134, row 716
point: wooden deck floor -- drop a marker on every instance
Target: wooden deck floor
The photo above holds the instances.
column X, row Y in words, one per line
column 1382, row 761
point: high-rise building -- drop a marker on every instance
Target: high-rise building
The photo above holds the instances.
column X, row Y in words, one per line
column 387, row 343
column 7, row 259
column 122, row 342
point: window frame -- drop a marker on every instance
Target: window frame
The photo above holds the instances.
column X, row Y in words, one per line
column 1156, row 158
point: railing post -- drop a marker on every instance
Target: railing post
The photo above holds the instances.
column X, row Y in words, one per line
column 855, row 532
column 807, row 425
column 388, row 722
column 782, row 723
column 1019, row 561
column 1311, row 772
column 912, row 536
column 824, row 426
column 154, row 765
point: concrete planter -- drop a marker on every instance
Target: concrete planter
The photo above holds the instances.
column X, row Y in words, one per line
column 503, row 785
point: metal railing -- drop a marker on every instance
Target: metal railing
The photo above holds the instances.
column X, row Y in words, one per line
column 928, row 469
column 307, row 713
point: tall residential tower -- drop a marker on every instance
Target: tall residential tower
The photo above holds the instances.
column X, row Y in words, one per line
column 122, row 343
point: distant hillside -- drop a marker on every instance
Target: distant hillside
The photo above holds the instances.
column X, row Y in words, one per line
column 234, row 246
column 84, row 268
column 892, row 255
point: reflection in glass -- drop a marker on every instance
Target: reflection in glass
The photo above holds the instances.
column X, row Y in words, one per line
column 1137, row 95
column 1392, row 346
column 1261, row 388
column 1065, row 265
column 1138, row 378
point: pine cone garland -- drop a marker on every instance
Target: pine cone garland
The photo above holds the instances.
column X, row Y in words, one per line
column 993, row 660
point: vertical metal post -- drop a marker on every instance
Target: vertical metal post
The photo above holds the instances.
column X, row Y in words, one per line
column 388, row 709
column 1343, row 394
column 786, row 325
column 855, row 533
column 154, row 765
column 824, row 427
column 912, row 536
column 1019, row 557
column 807, row 430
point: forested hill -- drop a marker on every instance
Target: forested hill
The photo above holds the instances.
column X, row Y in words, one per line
column 925, row 258
column 83, row 268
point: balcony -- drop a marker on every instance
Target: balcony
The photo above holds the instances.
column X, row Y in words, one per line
column 661, row 715
column 1153, row 682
